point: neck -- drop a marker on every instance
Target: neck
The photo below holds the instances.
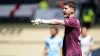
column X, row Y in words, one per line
column 53, row 36
column 72, row 15
column 84, row 35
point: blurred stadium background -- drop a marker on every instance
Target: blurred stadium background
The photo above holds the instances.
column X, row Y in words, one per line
column 18, row 37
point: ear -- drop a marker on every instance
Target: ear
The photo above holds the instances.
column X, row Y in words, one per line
column 72, row 10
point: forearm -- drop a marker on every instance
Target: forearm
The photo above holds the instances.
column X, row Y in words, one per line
column 53, row 21
column 44, row 53
column 61, row 52
column 91, row 47
column 88, row 50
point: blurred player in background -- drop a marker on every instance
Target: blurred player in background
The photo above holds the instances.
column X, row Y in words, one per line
column 86, row 42
column 53, row 44
column 71, row 42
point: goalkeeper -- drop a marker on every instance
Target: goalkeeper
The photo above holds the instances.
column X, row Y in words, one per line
column 71, row 42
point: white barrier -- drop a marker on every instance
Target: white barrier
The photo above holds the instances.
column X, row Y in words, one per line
column 5, row 10
column 25, row 10
column 54, row 13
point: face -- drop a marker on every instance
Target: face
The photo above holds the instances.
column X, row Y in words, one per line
column 84, row 31
column 67, row 11
column 53, row 32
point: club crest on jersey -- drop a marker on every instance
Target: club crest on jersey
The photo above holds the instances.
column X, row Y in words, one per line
column 67, row 21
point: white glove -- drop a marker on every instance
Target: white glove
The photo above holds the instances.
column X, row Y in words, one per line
column 36, row 22
column 40, row 21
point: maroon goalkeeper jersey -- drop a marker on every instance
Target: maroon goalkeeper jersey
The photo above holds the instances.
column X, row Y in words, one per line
column 71, row 42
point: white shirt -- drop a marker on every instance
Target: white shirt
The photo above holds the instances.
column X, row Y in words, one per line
column 85, row 44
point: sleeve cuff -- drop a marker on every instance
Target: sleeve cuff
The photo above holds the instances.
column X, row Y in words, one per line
column 45, row 21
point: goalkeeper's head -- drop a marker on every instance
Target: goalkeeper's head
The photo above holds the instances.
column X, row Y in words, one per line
column 69, row 8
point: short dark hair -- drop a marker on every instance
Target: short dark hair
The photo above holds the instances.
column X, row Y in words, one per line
column 55, row 28
column 71, row 4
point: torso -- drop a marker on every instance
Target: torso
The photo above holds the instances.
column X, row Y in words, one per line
column 85, row 44
column 54, row 45
column 71, row 43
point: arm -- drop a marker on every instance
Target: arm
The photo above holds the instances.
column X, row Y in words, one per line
column 60, row 45
column 52, row 21
column 60, row 51
column 88, row 50
column 46, row 48
column 65, row 22
column 91, row 46
column 45, row 51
